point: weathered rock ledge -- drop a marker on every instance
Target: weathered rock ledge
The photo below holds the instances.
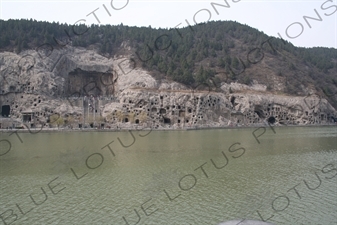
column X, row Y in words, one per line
column 75, row 87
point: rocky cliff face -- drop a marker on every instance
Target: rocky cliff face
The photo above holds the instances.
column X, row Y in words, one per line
column 79, row 88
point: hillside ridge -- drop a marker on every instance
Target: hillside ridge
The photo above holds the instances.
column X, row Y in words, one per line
column 105, row 74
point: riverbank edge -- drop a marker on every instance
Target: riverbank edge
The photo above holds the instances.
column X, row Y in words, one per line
column 62, row 130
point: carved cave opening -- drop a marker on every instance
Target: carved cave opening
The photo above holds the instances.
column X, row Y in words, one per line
column 233, row 101
column 259, row 111
column 271, row 120
column 87, row 83
column 167, row 120
column 162, row 111
column 27, row 117
column 5, row 110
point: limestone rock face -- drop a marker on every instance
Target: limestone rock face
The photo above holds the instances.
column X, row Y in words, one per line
column 78, row 87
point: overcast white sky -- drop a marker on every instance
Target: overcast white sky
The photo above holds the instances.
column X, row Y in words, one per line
column 270, row 16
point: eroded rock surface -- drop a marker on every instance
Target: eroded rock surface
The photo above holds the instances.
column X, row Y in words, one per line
column 77, row 87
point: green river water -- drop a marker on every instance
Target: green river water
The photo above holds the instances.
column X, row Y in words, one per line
column 286, row 176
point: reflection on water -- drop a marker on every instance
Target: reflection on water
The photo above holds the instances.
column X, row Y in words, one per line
column 171, row 177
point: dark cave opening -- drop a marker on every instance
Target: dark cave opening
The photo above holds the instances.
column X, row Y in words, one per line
column 5, row 110
column 271, row 120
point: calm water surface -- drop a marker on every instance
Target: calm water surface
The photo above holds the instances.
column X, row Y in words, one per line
column 170, row 177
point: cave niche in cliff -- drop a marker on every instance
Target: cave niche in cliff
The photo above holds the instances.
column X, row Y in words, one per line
column 88, row 83
column 233, row 101
column 259, row 111
column 5, row 110
column 27, row 117
column 181, row 113
column 271, row 120
column 162, row 111
column 167, row 120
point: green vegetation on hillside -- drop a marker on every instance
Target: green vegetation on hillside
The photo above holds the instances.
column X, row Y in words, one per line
column 208, row 53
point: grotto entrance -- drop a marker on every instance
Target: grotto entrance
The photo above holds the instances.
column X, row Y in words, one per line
column 167, row 120
column 259, row 111
column 87, row 83
column 27, row 117
column 271, row 120
column 5, row 110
